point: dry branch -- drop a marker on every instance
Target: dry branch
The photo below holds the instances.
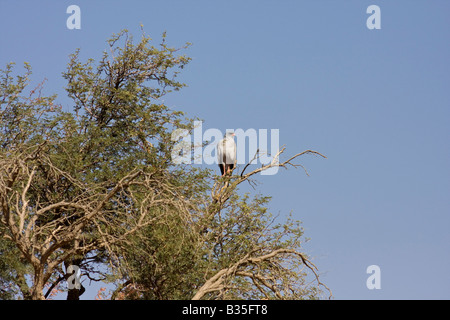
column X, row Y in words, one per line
column 249, row 263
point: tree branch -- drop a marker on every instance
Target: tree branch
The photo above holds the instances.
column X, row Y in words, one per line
column 216, row 282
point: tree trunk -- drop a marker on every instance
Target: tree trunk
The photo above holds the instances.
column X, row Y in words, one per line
column 38, row 286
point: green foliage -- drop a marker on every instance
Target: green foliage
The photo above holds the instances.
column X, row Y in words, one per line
column 120, row 118
column 96, row 187
column 12, row 271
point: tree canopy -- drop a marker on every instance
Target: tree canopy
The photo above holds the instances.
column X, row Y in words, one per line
column 96, row 188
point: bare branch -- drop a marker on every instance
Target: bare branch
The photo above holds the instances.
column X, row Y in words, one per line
column 224, row 186
column 240, row 268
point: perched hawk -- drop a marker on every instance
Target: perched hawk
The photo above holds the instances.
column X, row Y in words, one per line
column 226, row 153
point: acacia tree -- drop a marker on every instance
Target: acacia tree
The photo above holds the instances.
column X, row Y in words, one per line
column 96, row 188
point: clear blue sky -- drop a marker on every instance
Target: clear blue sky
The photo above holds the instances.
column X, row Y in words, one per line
column 375, row 102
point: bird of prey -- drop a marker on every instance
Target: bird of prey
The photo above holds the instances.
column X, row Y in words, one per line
column 226, row 154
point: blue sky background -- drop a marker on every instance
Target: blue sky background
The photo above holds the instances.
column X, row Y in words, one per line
column 375, row 102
